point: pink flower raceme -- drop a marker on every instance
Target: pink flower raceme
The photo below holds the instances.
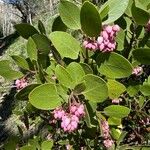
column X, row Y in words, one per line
column 21, row 83
column 69, row 120
column 58, row 113
column 108, row 142
column 137, row 71
column 116, row 100
column 106, row 41
column 77, row 109
column 89, row 44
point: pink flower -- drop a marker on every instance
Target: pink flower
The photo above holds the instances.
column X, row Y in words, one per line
column 137, row 71
column 116, row 100
column 105, row 129
column 58, row 113
column 21, row 83
column 108, row 143
column 90, row 44
column 148, row 26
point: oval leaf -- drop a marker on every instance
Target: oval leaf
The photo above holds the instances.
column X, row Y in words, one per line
column 25, row 30
column 115, row 11
column 140, row 16
column 70, row 14
column 115, row 89
column 47, row 145
column 63, row 76
column 142, row 55
column 117, row 111
column 115, row 66
column 66, row 45
column 31, row 49
column 76, row 72
column 96, row 88
column 45, row 97
column 90, row 20
column 21, row 62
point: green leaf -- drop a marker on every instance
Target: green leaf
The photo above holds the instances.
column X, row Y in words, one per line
column 117, row 111
column 45, row 97
column 7, row 72
column 41, row 27
column 104, row 11
column 120, row 40
column 145, row 89
column 28, row 148
column 24, row 93
column 76, row 72
column 58, row 25
column 114, row 121
column 31, row 49
column 115, row 11
column 47, row 145
column 96, row 88
column 63, row 76
column 90, row 20
column 115, row 66
column 115, row 133
column 79, row 88
column 66, row 45
column 132, row 90
column 87, row 69
column 25, row 30
column 43, row 44
column 115, row 89
column 70, row 14
column 139, row 15
column 21, row 62
column 142, row 55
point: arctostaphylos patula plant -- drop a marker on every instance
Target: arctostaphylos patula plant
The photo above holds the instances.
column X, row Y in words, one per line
column 84, row 80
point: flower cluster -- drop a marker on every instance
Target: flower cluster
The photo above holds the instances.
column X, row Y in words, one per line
column 137, row 71
column 106, row 41
column 21, row 83
column 69, row 119
column 108, row 142
column 116, row 100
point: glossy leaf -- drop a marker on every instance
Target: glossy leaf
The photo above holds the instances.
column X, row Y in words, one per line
column 63, row 76
column 7, row 72
column 87, row 69
column 142, row 55
column 66, row 45
column 120, row 40
column 43, row 44
column 76, row 72
column 117, row 111
column 139, row 15
column 115, row 89
column 79, row 88
column 115, row 66
column 41, row 27
column 96, row 88
column 115, row 11
column 24, row 93
column 70, row 14
column 47, row 145
column 58, row 25
column 104, row 11
column 145, row 89
column 21, row 62
column 90, row 20
column 25, row 30
column 45, row 97
column 31, row 49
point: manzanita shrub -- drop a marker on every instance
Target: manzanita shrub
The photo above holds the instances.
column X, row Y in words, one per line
column 87, row 81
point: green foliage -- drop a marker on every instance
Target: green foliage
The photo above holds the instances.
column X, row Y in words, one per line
column 96, row 93
column 90, row 20
column 23, row 28
column 115, row 66
column 117, row 111
column 66, row 45
column 70, row 14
